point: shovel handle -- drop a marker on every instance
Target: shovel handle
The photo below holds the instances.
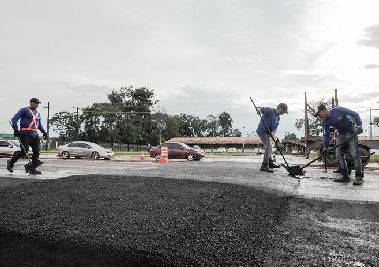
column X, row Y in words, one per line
column 319, row 157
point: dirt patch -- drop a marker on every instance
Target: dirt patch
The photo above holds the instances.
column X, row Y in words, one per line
column 113, row 220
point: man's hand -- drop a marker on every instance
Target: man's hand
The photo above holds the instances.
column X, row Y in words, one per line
column 16, row 133
column 359, row 130
column 276, row 140
column 44, row 135
column 259, row 112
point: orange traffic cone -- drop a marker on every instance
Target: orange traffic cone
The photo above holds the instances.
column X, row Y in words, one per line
column 142, row 156
column 164, row 155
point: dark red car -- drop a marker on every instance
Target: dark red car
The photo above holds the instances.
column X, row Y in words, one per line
column 177, row 151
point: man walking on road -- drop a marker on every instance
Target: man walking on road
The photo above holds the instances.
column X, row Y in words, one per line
column 342, row 120
column 270, row 116
column 30, row 122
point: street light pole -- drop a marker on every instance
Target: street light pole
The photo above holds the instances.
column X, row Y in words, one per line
column 243, row 139
column 48, row 126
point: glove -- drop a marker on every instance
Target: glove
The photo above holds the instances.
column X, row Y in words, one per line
column 16, row 133
column 44, row 135
column 276, row 140
column 259, row 112
column 359, row 130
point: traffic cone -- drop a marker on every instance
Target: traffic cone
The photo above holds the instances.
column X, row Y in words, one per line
column 142, row 156
column 164, row 155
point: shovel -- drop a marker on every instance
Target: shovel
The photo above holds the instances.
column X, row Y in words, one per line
column 298, row 170
column 272, row 137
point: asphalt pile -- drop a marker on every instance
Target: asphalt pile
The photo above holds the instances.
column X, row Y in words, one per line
column 147, row 221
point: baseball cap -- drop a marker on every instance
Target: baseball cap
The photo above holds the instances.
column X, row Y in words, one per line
column 35, row 100
column 283, row 106
column 320, row 108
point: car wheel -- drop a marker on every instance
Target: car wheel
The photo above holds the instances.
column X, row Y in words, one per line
column 95, row 155
column 189, row 157
column 157, row 157
column 78, row 157
column 65, row 155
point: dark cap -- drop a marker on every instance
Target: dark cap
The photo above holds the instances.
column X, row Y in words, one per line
column 283, row 106
column 320, row 108
column 35, row 100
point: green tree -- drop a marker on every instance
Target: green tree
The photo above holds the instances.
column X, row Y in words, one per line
column 213, row 126
column 65, row 124
column 225, row 122
column 290, row 136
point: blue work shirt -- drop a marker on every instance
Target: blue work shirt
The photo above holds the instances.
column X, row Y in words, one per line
column 341, row 119
column 271, row 118
column 26, row 118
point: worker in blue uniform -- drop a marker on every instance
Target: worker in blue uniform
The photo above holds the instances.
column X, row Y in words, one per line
column 30, row 122
column 348, row 125
column 266, row 129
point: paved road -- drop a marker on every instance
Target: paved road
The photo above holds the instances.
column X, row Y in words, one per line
column 316, row 183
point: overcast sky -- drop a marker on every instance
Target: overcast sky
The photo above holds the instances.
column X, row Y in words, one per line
column 200, row 57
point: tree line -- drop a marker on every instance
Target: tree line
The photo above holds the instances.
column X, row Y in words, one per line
column 127, row 117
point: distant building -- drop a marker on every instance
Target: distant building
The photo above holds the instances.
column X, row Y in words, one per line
column 243, row 143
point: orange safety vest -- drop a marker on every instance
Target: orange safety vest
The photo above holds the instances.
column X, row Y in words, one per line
column 33, row 124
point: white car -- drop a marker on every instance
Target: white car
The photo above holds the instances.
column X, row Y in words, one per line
column 83, row 149
column 9, row 147
column 221, row 149
column 232, row 150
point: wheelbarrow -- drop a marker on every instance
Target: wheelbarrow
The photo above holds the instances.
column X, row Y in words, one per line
column 298, row 170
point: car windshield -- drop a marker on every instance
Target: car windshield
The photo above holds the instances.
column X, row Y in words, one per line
column 15, row 142
column 185, row 146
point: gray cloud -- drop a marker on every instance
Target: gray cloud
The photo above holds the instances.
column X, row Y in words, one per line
column 372, row 66
column 372, row 37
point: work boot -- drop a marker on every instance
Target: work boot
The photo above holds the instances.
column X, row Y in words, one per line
column 344, row 179
column 28, row 167
column 34, row 171
column 265, row 168
column 9, row 165
column 272, row 165
column 358, row 179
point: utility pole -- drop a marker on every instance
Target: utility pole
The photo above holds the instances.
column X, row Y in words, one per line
column 77, row 123
column 306, row 123
column 48, row 126
column 336, row 97
column 371, row 123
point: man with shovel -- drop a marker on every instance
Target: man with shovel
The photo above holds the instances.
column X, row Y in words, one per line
column 266, row 128
column 342, row 120
column 30, row 122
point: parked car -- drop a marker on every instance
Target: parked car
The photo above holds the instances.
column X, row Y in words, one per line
column 232, row 150
column 79, row 149
column 221, row 149
column 177, row 150
column 9, row 147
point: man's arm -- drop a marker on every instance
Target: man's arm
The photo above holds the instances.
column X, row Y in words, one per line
column 16, row 118
column 40, row 127
column 326, row 134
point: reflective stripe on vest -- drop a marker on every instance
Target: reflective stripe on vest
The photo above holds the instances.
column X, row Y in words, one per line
column 32, row 123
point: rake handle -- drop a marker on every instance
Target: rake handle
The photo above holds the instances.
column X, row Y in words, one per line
column 319, row 157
